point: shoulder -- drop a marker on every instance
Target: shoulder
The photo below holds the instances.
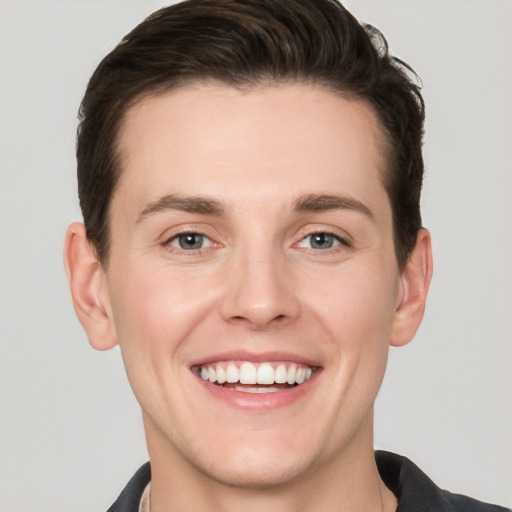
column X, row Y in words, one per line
column 417, row 492
column 129, row 499
column 463, row 503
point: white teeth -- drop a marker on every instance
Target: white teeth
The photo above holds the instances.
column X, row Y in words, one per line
column 248, row 374
column 245, row 390
column 290, row 376
column 256, row 390
column 280, row 374
column 232, row 374
column 263, row 374
column 221, row 375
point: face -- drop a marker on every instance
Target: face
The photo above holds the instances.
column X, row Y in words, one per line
column 252, row 281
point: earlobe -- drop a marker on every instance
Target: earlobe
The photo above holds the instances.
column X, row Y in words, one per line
column 87, row 282
column 415, row 281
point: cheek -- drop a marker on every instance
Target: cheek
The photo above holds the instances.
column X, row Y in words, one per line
column 357, row 311
column 357, row 303
column 156, row 305
column 154, row 312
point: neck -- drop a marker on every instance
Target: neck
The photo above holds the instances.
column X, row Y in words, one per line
column 349, row 481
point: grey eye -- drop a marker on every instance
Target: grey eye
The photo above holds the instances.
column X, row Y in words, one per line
column 320, row 241
column 189, row 241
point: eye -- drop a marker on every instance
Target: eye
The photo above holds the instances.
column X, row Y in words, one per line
column 189, row 241
column 320, row 241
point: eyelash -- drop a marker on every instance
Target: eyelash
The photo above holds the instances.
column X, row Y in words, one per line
column 189, row 251
column 336, row 240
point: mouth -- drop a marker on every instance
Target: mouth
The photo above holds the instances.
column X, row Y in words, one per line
column 249, row 377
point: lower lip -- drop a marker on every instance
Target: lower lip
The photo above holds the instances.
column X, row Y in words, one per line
column 259, row 401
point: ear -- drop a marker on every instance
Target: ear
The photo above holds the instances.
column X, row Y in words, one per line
column 415, row 281
column 89, row 290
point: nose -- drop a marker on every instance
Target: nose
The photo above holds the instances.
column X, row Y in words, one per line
column 260, row 291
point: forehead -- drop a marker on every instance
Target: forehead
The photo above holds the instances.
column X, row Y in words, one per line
column 271, row 142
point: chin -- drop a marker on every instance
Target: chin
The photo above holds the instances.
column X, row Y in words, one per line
column 246, row 471
column 253, row 460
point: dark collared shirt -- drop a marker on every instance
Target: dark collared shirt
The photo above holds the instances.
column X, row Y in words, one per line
column 414, row 490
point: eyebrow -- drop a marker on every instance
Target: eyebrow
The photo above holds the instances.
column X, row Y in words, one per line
column 209, row 206
column 325, row 202
column 191, row 204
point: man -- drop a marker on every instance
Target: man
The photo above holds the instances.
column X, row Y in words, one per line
column 249, row 175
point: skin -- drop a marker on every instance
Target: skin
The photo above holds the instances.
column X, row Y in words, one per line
column 256, row 285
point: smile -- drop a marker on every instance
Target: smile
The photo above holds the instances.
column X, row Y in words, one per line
column 248, row 377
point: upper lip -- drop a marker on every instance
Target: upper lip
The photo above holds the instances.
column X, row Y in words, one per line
column 255, row 357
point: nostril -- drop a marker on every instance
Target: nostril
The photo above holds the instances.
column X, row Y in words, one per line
column 239, row 320
column 258, row 323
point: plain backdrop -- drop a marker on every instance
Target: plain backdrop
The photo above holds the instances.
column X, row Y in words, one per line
column 70, row 430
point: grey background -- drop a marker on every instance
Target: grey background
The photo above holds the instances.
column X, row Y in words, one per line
column 70, row 430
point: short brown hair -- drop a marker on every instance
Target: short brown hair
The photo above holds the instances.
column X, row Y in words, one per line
column 250, row 43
